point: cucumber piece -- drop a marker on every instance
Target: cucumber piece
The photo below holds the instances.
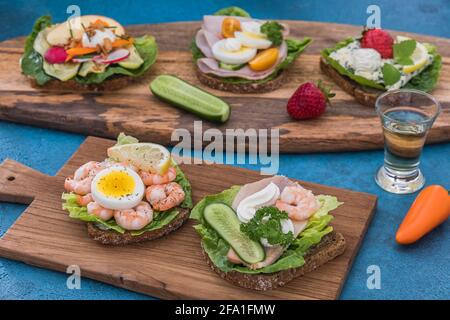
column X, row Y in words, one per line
column 224, row 220
column 231, row 67
column 190, row 98
column 133, row 61
column 91, row 67
column 61, row 71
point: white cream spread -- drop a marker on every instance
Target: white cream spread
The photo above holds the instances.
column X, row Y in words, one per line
column 266, row 197
column 98, row 38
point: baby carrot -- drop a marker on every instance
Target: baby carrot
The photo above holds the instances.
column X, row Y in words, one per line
column 430, row 209
column 80, row 51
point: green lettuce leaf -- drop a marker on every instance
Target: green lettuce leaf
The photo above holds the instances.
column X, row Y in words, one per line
column 293, row 257
column 424, row 81
column 295, row 47
column 232, row 11
column 31, row 61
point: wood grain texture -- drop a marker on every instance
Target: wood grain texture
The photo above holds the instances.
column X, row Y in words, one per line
column 346, row 125
column 171, row 267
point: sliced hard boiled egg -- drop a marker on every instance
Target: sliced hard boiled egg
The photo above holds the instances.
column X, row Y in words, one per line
column 253, row 40
column 231, row 51
column 118, row 188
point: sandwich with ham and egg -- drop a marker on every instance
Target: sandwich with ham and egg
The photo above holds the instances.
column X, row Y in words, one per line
column 234, row 52
column 86, row 52
column 266, row 233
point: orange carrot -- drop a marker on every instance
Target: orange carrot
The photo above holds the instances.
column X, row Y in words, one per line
column 121, row 43
column 80, row 51
column 101, row 22
column 430, row 209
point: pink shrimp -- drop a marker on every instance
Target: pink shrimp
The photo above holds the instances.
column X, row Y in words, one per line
column 298, row 202
column 84, row 200
column 82, row 178
column 99, row 211
column 136, row 218
column 163, row 197
column 154, row 178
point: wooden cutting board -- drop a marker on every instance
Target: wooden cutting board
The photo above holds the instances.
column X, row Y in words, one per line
column 345, row 126
column 172, row 267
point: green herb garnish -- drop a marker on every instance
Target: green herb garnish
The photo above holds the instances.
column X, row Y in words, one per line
column 266, row 224
column 403, row 52
column 390, row 74
column 273, row 30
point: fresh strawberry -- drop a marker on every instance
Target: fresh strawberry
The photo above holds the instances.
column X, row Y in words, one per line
column 308, row 101
column 379, row 40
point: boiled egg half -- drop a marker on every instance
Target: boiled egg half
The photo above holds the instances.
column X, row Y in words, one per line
column 251, row 36
column 118, row 188
column 231, row 51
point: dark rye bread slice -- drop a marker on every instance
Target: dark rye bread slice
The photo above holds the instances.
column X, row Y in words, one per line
column 219, row 84
column 364, row 95
column 331, row 246
column 113, row 83
column 111, row 237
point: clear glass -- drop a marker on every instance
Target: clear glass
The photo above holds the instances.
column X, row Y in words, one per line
column 406, row 116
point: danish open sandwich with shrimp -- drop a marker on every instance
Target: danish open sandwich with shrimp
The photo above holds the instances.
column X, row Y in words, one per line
column 87, row 52
column 264, row 234
column 237, row 53
column 136, row 194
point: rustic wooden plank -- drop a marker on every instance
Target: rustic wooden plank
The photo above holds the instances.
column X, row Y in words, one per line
column 172, row 267
column 346, row 125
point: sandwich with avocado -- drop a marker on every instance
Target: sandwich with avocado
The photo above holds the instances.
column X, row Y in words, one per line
column 264, row 234
column 87, row 52
column 375, row 62
column 237, row 53
column 137, row 193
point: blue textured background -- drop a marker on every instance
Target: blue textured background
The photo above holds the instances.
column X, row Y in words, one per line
column 416, row 272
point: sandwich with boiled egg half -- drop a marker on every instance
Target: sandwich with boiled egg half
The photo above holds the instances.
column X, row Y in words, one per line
column 234, row 52
column 87, row 52
column 137, row 193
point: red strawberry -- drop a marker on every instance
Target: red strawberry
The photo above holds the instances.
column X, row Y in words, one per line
column 379, row 40
column 308, row 101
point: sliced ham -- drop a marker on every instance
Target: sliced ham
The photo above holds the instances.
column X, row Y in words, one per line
column 204, row 40
column 211, row 66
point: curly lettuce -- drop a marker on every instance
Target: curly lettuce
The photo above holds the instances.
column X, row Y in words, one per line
column 232, row 11
column 217, row 248
column 424, row 81
column 32, row 62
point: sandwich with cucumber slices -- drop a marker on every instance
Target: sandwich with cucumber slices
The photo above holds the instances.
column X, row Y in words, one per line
column 375, row 62
column 234, row 52
column 264, row 234
column 87, row 52
column 137, row 193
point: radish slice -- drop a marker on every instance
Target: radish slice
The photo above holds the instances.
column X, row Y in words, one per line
column 55, row 55
column 113, row 57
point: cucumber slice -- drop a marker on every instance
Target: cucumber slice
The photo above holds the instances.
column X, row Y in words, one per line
column 231, row 67
column 61, row 71
column 190, row 98
column 133, row 61
column 224, row 220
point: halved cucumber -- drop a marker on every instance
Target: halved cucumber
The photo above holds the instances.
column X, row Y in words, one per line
column 231, row 67
column 190, row 98
column 224, row 220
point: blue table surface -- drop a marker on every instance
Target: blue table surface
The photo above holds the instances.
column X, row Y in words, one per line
column 420, row 271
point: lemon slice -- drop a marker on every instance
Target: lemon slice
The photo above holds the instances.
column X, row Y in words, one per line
column 146, row 156
column 419, row 56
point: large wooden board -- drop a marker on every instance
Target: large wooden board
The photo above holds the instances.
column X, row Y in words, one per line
column 345, row 126
column 172, row 267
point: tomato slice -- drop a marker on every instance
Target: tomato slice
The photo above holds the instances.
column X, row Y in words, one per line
column 230, row 26
column 264, row 60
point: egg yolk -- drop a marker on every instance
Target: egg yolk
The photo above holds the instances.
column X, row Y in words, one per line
column 116, row 184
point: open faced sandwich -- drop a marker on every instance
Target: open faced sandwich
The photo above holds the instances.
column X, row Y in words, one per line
column 138, row 193
column 375, row 62
column 88, row 52
column 264, row 234
column 234, row 52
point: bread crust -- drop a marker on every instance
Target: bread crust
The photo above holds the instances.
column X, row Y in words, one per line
column 331, row 246
column 111, row 237
column 218, row 84
column 364, row 95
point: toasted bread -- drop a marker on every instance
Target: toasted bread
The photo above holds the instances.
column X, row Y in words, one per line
column 219, row 84
column 111, row 84
column 364, row 95
column 111, row 237
column 331, row 246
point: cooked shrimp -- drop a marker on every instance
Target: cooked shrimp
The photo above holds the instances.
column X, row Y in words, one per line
column 99, row 211
column 84, row 200
column 80, row 187
column 136, row 218
column 298, row 202
column 153, row 178
column 90, row 168
column 163, row 197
